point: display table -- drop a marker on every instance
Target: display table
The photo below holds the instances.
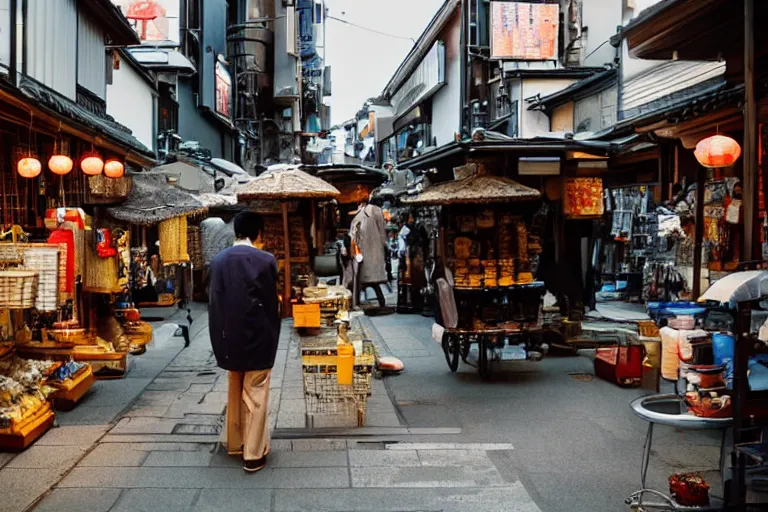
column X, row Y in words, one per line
column 669, row 410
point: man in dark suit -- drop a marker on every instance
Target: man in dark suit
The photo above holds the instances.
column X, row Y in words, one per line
column 244, row 325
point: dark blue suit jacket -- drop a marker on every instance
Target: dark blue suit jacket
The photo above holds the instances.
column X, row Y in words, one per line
column 243, row 311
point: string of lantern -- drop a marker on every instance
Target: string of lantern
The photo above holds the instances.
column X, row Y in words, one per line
column 60, row 163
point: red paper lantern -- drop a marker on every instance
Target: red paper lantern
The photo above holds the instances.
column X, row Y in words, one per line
column 29, row 167
column 92, row 164
column 114, row 168
column 717, row 151
column 60, row 164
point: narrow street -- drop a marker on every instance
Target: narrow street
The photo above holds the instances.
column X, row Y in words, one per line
column 539, row 437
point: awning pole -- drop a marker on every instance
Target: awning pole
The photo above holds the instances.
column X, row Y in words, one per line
column 751, row 184
column 287, row 262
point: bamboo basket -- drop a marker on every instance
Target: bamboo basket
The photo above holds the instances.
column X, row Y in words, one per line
column 173, row 241
column 100, row 273
column 18, row 289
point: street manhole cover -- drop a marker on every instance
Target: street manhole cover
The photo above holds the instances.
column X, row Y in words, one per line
column 582, row 377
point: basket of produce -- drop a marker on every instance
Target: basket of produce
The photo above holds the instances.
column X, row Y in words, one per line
column 18, row 289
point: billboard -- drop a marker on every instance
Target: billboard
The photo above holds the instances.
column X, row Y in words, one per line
column 524, row 31
column 153, row 20
column 223, row 90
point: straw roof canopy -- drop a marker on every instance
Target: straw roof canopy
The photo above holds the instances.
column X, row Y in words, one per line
column 286, row 182
column 476, row 189
column 153, row 200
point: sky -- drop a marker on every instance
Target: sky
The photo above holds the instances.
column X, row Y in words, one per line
column 362, row 62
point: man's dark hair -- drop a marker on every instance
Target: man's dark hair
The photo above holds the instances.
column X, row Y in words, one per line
column 248, row 225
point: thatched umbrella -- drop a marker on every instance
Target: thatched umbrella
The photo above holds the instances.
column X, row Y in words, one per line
column 153, row 200
column 476, row 189
column 284, row 183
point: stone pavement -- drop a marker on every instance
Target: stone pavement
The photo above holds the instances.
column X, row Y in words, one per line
column 26, row 476
column 163, row 453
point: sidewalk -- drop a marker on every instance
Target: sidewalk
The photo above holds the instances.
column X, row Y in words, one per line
column 26, row 476
column 164, row 454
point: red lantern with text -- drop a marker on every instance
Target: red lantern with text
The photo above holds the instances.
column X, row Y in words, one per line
column 92, row 164
column 114, row 168
column 717, row 151
column 60, row 164
column 29, row 167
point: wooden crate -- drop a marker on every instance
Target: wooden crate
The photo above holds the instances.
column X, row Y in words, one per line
column 105, row 365
column 19, row 437
column 66, row 398
column 306, row 315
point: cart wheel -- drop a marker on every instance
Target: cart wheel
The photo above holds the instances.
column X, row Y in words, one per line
column 464, row 345
column 451, row 348
column 484, row 362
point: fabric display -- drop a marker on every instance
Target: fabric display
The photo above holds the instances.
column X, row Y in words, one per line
column 662, row 281
column 66, row 237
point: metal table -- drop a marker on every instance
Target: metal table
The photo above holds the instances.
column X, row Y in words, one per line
column 648, row 409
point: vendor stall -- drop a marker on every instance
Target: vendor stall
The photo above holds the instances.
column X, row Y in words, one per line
column 716, row 355
column 156, row 216
column 286, row 197
column 489, row 296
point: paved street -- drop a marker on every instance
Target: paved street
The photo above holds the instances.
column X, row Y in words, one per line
column 535, row 439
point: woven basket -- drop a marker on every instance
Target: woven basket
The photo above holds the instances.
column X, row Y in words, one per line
column 18, row 289
column 173, row 241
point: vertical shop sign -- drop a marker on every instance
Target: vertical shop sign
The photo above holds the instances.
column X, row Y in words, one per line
column 153, row 20
column 223, row 90
column 524, row 31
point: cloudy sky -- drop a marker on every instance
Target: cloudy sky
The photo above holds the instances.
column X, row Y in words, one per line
column 363, row 61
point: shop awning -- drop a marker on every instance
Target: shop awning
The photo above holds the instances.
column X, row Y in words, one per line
column 153, row 200
column 534, row 146
column 66, row 110
column 738, row 287
column 476, row 189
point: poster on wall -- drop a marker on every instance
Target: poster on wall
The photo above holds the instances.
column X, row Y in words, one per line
column 223, row 90
column 524, row 31
column 153, row 20
column 583, row 197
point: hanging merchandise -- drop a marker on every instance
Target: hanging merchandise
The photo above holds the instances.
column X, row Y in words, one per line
column 142, row 277
column 123, row 248
column 173, row 241
column 67, row 238
column 104, row 243
column 100, row 273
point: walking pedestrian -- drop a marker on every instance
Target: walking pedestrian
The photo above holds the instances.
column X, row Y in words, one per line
column 244, row 325
column 369, row 238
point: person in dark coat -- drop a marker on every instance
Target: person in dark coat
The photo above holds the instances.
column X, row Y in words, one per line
column 244, row 326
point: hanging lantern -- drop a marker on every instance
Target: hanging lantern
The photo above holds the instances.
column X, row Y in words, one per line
column 29, row 167
column 92, row 164
column 60, row 163
column 114, row 168
column 717, row 151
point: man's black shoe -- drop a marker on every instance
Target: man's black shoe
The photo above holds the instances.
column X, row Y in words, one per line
column 252, row 466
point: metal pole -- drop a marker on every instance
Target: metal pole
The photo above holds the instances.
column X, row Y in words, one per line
column 698, row 239
column 750, row 134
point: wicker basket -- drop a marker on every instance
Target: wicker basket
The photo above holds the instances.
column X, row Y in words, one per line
column 18, row 289
column 648, row 328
